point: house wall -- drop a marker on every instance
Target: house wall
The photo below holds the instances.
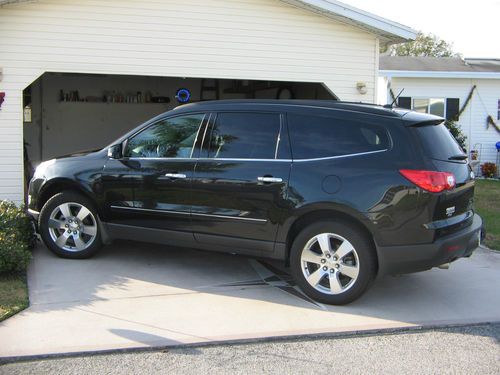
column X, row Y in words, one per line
column 473, row 120
column 239, row 39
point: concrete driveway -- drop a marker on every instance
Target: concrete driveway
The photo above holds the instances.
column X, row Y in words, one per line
column 134, row 295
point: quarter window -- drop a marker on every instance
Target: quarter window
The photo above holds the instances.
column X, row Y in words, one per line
column 321, row 136
column 244, row 136
column 432, row 106
column 168, row 138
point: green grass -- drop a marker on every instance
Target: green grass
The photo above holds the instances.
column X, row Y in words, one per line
column 487, row 205
column 13, row 294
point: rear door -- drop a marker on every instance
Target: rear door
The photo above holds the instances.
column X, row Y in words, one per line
column 240, row 181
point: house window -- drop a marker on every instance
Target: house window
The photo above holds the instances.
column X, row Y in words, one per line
column 433, row 106
column 448, row 108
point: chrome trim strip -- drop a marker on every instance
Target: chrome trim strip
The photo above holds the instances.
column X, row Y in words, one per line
column 189, row 213
column 341, row 156
column 33, row 212
column 230, row 217
column 151, row 210
column 279, row 160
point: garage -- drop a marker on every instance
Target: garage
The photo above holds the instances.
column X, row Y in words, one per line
column 65, row 112
column 75, row 75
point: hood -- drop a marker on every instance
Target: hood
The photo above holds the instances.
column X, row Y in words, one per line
column 79, row 153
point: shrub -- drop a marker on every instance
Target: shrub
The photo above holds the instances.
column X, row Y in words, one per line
column 17, row 237
column 457, row 133
column 489, row 169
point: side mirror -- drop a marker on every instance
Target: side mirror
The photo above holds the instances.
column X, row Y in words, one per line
column 115, row 152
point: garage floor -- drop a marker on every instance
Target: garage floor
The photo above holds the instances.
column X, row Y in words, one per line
column 136, row 295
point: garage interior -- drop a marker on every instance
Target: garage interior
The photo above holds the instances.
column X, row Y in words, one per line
column 66, row 112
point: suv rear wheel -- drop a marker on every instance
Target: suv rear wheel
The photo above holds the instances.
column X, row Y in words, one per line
column 69, row 227
column 332, row 262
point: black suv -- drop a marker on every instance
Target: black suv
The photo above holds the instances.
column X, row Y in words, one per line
column 342, row 192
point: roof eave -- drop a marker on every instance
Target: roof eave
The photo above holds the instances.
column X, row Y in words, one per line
column 388, row 31
column 437, row 74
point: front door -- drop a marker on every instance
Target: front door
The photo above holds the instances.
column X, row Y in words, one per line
column 161, row 162
column 240, row 181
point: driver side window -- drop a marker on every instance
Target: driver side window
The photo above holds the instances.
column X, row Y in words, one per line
column 168, row 138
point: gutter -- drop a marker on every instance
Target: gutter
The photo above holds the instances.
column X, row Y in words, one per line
column 437, row 74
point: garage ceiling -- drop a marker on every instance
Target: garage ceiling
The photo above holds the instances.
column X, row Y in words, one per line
column 388, row 31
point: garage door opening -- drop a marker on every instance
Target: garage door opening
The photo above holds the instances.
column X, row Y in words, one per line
column 65, row 113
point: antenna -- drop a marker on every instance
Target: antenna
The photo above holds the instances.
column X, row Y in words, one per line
column 395, row 99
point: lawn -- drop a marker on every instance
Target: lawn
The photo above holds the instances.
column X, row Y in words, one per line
column 13, row 294
column 487, row 205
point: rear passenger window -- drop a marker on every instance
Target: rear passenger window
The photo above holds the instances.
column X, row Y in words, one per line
column 244, row 136
column 321, row 136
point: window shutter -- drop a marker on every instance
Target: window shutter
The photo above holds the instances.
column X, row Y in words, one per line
column 452, row 108
column 404, row 102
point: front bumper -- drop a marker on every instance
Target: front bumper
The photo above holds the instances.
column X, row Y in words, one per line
column 415, row 258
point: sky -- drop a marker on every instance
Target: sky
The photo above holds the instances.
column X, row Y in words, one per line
column 472, row 26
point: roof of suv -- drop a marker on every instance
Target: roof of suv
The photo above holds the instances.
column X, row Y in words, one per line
column 330, row 104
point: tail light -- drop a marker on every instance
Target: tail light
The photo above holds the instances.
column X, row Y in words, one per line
column 432, row 181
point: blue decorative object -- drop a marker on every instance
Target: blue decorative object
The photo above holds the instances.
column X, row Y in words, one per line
column 498, row 145
column 183, row 95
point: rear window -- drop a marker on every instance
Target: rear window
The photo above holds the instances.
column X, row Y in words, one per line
column 322, row 136
column 437, row 141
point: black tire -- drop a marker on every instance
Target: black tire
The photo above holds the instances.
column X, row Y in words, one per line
column 45, row 216
column 365, row 254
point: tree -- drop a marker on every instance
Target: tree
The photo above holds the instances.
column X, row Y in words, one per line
column 424, row 45
column 457, row 133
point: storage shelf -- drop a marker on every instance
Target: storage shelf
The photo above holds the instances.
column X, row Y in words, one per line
column 120, row 103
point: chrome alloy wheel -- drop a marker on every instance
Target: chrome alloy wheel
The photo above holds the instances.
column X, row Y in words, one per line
column 72, row 227
column 330, row 263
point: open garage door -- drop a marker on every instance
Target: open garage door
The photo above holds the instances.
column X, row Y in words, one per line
column 65, row 113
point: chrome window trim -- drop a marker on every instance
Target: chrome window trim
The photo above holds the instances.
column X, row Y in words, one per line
column 189, row 213
column 242, row 159
column 278, row 139
column 278, row 160
column 196, row 138
column 342, row 156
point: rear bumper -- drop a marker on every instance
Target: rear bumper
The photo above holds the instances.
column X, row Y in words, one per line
column 415, row 258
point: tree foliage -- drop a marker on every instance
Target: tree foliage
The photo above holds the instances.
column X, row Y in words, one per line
column 424, row 45
column 457, row 133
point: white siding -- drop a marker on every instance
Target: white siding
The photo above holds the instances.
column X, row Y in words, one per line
column 239, row 39
column 473, row 121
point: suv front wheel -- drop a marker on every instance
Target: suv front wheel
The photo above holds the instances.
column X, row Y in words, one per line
column 69, row 227
column 332, row 262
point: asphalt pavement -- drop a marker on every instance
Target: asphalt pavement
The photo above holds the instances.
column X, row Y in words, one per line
column 460, row 350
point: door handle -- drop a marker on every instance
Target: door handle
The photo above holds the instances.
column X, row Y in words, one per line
column 175, row 175
column 269, row 179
